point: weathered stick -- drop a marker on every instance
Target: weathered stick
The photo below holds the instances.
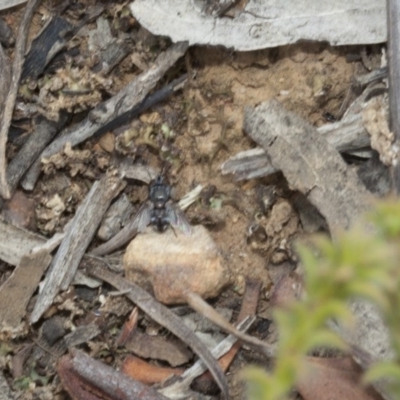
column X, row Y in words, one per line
column 37, row 141
column 393, row 49
column 12, row 93
column 86, row 378
column 5, row 77
column 130, row 96
column 164, row 317
column 308, row 162
column 77, row 238
column 345, row 135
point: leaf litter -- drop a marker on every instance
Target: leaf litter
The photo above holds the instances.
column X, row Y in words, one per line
column 94, row 101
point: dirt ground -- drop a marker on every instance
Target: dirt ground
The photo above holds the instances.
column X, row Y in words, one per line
column 204, row 128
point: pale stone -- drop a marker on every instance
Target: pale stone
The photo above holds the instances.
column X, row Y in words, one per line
column 171, row 262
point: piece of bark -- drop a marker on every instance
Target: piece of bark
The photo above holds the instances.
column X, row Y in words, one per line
column 128, row 329
column 266, row 24
column 4, row 4
column 12, row 93
column 38, row 139
column 81, row 335
column 16, row 292
column 393, row 50
column 127, row 98
column 85, row 378
column 147, row 373
column 158, row 348
column 16, row 242
column 346, row 135
column 308, row 163
column 49, row 41
column 77, row 238
column 19, row 210
column 5, row 76
column 164, row 317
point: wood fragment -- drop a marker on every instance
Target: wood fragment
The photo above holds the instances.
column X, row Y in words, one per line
column 12, row 93
column 16, row 292
column 86, row 378
column 309, row 163
column 128, row 328
column 49, row 41
column 166, row 318
column 345, row 135
column 76, row 240
column 81, row 335
column 126, row 99
column 198, row 304
column 158, row 348
column 16, row 242
column 393, row 51
column 5, row 77
column 37, row 141
column 147, row 373
column 180, row 389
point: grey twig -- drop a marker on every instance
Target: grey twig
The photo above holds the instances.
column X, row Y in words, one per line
column 12, row 93
column 166, row 318
column 393, row 48
column 123, row 102
column 76, row 240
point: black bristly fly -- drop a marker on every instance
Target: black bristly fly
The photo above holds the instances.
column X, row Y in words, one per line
column 160, row 211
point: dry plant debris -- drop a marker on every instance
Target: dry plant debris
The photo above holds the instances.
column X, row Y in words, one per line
column 101, row 95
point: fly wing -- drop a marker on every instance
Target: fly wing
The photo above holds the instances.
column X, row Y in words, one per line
column 177, row 219
column 141, row 219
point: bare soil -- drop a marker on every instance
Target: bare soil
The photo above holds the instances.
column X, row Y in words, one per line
column 204, row 122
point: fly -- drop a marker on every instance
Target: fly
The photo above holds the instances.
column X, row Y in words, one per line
column 160, row 211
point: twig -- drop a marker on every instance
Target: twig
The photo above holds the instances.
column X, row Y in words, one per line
column 166, row 318
column 107, row 112
column 5, row 77
column 180, row 389
column 198, row 304
column 76, row 240
column 12, row 93
column 37, row 141
column 393, row 49
column 86, row 378
column 363, row 80
column 345, row 135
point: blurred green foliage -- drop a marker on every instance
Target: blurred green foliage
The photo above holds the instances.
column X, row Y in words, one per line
column 362, row 262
